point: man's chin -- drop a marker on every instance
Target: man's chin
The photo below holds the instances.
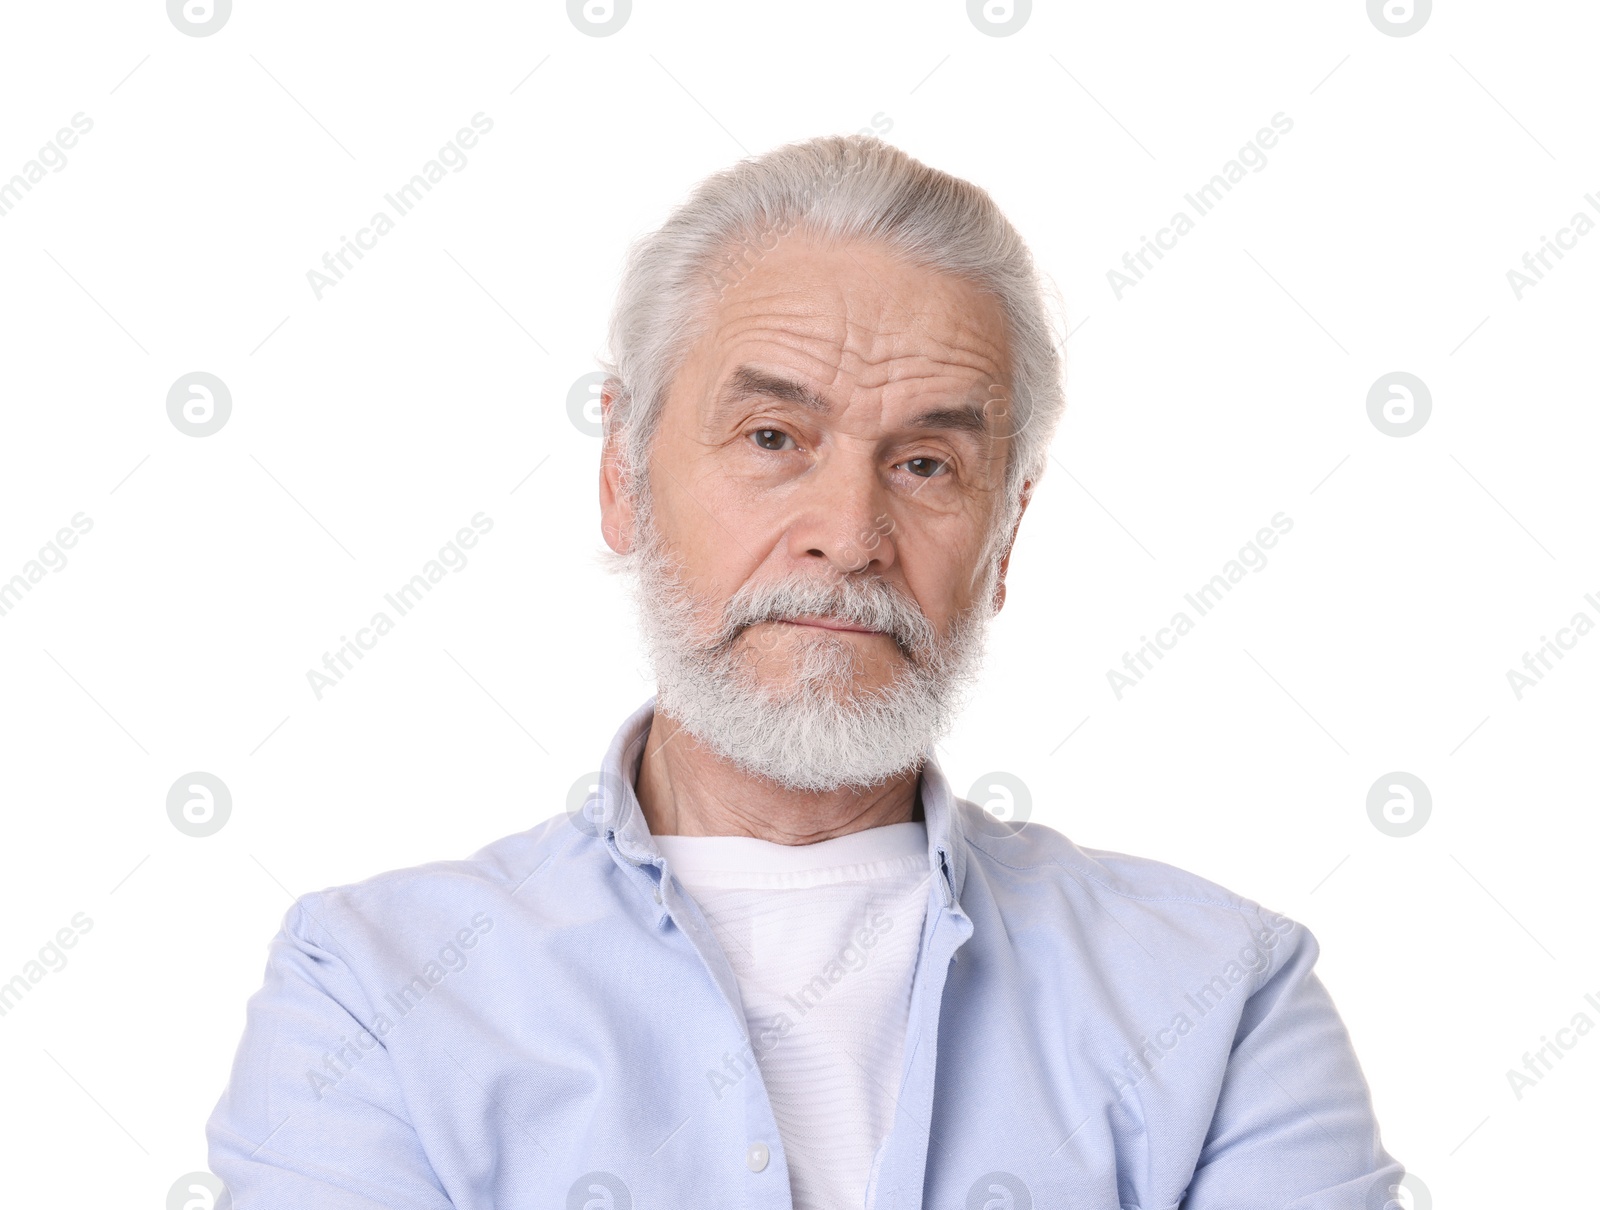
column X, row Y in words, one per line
column 789, row 657
column 815, row 739
column 791, row 692
column 816, row 717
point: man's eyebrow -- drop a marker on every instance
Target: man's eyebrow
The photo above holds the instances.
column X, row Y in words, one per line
column 747, row 381
column 971, row 418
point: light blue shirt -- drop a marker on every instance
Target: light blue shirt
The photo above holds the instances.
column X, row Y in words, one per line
column 551, row 1023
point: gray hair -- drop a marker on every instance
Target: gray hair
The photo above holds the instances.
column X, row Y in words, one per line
column 840, row 186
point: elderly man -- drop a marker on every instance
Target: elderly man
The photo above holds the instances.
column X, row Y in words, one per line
column 772, row 960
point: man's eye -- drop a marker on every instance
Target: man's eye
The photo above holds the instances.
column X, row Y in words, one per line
column 770, row 439
column 926, row 468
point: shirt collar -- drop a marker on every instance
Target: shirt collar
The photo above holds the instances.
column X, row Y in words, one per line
column 612, row 812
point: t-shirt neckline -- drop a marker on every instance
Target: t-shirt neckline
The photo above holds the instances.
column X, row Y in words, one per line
column 690, row 855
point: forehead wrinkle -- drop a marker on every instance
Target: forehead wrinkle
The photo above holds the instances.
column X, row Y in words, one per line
column 820, row 337
column 942, row 371
column 835, row 320
column 846, row 355
column 917, row 317
column 901, row 356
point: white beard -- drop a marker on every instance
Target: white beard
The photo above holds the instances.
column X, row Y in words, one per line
column 816, row 732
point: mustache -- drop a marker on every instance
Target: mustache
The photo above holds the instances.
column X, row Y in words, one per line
column 873, row 604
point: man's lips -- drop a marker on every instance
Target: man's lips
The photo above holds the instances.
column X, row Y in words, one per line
column 827, row 624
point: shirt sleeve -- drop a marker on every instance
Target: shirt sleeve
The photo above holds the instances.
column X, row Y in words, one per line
column 313, row 1117
column 1293, row 1127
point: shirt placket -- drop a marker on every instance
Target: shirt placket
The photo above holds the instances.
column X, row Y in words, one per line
column 761, row 1150
column 897, row 1178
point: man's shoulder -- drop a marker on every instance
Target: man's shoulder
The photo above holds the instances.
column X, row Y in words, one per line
column 440, row 891
column 1036, row 852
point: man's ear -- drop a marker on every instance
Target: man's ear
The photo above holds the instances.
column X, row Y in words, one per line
column 1005, row 559
column 616, row 510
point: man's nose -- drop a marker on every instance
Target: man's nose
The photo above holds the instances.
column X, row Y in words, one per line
column 843, row 515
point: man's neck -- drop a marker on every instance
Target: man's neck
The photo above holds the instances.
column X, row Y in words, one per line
column 687, row 790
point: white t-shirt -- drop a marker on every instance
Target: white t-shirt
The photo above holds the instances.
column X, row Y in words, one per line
column 823, row 939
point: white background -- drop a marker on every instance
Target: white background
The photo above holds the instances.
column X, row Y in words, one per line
column 431, row 384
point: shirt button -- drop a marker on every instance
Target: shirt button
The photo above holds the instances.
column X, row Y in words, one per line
column 658, row 894
column 756, row 1157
